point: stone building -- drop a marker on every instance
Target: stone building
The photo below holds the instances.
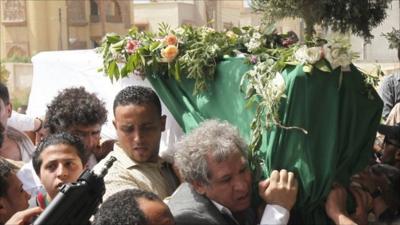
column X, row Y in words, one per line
column 219, row 14
column 28, row 27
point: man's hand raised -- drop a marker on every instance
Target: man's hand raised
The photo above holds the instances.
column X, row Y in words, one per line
column 280, row 189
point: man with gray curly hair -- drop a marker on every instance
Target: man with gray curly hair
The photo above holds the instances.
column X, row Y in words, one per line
column 212, row 160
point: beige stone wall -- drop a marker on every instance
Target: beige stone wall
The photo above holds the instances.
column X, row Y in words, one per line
column 154, row 13
column 20, row 81
column 42, row 28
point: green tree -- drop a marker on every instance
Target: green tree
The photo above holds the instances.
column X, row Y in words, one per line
column 357, row 16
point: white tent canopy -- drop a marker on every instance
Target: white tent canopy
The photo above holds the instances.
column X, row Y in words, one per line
column 54, row 71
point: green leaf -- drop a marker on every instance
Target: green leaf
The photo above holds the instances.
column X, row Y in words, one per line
column 177, row 71
column 124, row 71
column 130, row 64
column 307, row 68
column 136, row 60
column 250, row 92
column 111, row 68
column 250, row 102
column 118, row 45
column 113, row 38
column 154, row 46
column 323, row 66
column 237, row 31
column 116, row 72
column 143, row 60
column 292, row 63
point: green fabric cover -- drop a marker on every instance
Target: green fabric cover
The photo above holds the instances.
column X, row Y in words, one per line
column 340, row 113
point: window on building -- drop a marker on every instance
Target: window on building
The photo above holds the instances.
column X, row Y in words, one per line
column 113, row 12
column 13, row 12
column 94, row 11
column 76, row 12
column 94, row 8
column 16, row 51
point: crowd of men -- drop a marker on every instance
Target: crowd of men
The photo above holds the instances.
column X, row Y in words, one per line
column 209, row 181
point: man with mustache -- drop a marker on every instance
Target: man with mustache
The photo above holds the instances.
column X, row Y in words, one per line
column 213, row 161
column 139, row 123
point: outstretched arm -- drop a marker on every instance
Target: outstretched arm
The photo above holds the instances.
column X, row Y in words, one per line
column 24, row 217
column 335, row 206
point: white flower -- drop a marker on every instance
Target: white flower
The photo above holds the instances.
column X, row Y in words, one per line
column 214, row 48
column 308, row 55
column 278, row 84
column 253, row 44
column 338, row 56
column 256, row 35
column 338, row 53
column 179, row 31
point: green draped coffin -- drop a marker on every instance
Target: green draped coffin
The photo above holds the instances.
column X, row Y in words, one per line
column 339, row 112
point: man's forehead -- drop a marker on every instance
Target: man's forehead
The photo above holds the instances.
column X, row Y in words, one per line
column 85, row 128
column 220, row 166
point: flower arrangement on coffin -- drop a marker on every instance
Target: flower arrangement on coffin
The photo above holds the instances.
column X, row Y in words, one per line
column 189, row 51
column 264, row 84
column 194, row 52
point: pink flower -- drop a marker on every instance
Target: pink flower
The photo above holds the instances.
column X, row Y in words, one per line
column 170, row 39
column 132, row 46
column 253, row 59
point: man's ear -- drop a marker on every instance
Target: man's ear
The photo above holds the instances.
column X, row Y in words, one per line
column 199, row 187
column 9, row 109
column 163, row 121
column 3, row 209
column 397, row 155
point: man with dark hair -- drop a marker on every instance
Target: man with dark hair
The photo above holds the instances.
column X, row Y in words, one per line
column 59, row 159
column 139, row 123
column 13, row 198
column 80, row 113
column 134, row 207
column 16, row 145
column 391, row 145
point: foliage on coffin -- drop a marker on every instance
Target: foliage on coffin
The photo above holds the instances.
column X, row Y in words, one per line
column 193, row 53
